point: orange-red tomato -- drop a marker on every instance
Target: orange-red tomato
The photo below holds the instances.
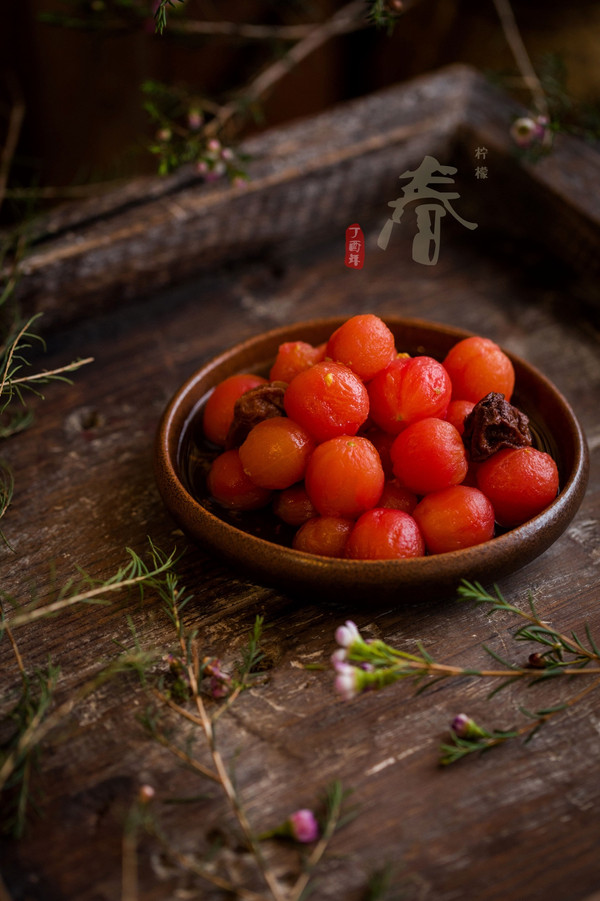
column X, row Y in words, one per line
column 229, row 485
column 327, row 400
column 384, row 534
column 293, row 505
column 383, row 442
column 324, row 535
column 276, row 452
column 397, row 497
column 218, row 410
column 364, row 343
column 457, row 411
column 520, row 482
column 344, row 476
column 429, row 455
column 477, row 366
column 455, row 518
column 409, row 389
column 294, row 357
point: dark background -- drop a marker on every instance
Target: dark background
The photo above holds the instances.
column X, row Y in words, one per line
column 84, row 119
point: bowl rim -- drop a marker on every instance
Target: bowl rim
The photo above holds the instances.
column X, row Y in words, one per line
column 185, row 508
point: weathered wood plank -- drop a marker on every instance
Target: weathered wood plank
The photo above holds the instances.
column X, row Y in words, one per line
column 515, row 825
column 306, row 180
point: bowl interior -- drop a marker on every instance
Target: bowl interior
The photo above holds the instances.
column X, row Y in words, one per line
column 261, row 546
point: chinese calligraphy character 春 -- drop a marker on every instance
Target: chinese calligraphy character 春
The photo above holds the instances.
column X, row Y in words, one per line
column 481, row 153
column 426, row 243
column 481, row 172
column 355, row 247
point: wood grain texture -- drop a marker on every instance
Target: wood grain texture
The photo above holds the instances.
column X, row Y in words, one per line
column 305, row 180
column 518, row 824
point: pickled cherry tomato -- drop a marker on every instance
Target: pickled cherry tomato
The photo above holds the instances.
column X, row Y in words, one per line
column 364, row 343
column 294, row 357
column 327, row 400
column 325, row 535
column 229, row 485
column 477, row 366
column 397, row 497
column 454, row 518
column 457, row 411
column 293, row 505
column 382, row 534
column 344, row 476
column 383, row 442
column 409, row 389
column 429, row 455
column 218, row 410
column 520, row 482
column 276, row 452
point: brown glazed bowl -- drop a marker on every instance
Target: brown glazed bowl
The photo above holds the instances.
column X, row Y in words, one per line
column 250, row 543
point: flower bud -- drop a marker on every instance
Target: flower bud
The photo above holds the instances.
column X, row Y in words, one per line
column 527, row 131
column 464, row 727
column 194, row 119
column 145, row 794
column 536, row 661
column 348, row 633
column 303, row 826
column 339, row 658
column 347, row 683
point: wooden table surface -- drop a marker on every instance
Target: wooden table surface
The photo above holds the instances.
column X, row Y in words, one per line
column 518, row 823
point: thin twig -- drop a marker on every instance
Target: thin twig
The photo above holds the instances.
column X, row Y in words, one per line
column 129, row 866
column 317, row 853
column 192, row 669
column 519, row 51
column 51, row 373
column 16, row 652
column 83, row 597
column 15, row 122
column 11, row 354
column 349, row 18
column 244, row 30
column 544, row 717
column 192, row 866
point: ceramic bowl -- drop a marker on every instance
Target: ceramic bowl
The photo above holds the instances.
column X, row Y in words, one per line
column 251, row 543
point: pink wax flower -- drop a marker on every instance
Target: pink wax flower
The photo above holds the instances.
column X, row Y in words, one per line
column 347, row 681
column 303, row 826
column 346, row 634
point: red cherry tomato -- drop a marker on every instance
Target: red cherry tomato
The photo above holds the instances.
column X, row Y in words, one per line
column 218, row 410
column 477, row 366
column 294, row 357
column 383, row 534
column 520, row 482
column 455, row 518
column 364, row 343
column 324, row 535
column 344, row 476
column 276, row 452
column 409, row 389
column 293, row 505
column 229, row 485
column 457, row 411
column 429, row 455
column 397, row 497
column 327, row 400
